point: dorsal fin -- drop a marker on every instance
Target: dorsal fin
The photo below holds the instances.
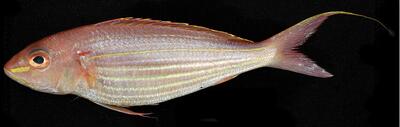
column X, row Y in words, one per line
column 135, row 22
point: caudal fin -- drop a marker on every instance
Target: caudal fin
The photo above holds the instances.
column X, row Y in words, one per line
column 286, row 42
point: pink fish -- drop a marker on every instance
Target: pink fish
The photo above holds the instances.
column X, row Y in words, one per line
column 130, row 62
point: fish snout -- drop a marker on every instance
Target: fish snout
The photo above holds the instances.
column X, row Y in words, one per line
column 16, row 66
column 16, row 69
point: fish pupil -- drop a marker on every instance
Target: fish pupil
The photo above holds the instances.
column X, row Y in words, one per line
column 38, row 59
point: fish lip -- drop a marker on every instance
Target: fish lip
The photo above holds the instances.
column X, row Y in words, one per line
column 8, row 73
column 15, row 78
column 27, row 84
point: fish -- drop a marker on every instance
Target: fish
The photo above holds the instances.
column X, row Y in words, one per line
column 128, row 62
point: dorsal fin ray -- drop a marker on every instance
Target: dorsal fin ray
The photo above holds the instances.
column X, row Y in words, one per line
column 136, row 22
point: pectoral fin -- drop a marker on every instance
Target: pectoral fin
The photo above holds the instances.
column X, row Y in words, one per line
column 124, row 110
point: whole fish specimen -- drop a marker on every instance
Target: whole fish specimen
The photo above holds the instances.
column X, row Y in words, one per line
column 129, row 61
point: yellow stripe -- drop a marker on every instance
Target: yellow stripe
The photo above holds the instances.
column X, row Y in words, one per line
column 164, row 67
column 179, row 75
column 20, row 69
column 127, row 99
column 174, row 50
column 165, row 93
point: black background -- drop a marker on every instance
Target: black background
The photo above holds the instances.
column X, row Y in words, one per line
column 361, row 55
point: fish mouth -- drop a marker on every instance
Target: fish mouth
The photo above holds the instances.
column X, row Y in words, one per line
column 27, row 84
column 15, row 78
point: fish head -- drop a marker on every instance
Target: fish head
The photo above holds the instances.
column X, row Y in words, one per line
column 39, row 66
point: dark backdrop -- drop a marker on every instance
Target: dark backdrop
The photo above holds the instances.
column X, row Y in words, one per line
column 361, row 55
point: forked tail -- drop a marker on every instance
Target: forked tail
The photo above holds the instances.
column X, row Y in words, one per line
column 286, row 42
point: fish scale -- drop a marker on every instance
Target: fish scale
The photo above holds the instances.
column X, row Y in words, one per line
column 179, row 87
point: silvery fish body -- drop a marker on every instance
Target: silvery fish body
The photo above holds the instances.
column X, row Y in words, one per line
column 141, row 62
column 130, row 61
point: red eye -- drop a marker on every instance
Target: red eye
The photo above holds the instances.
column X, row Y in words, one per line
column 39, row 59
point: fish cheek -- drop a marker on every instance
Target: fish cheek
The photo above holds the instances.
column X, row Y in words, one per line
column 35, row 74
column 38, row 78
column 68, row 81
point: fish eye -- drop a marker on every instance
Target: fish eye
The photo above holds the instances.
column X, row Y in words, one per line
column 39, row 59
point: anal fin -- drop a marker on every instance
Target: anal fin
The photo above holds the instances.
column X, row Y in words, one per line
column 125, row 110
column 226, row 79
